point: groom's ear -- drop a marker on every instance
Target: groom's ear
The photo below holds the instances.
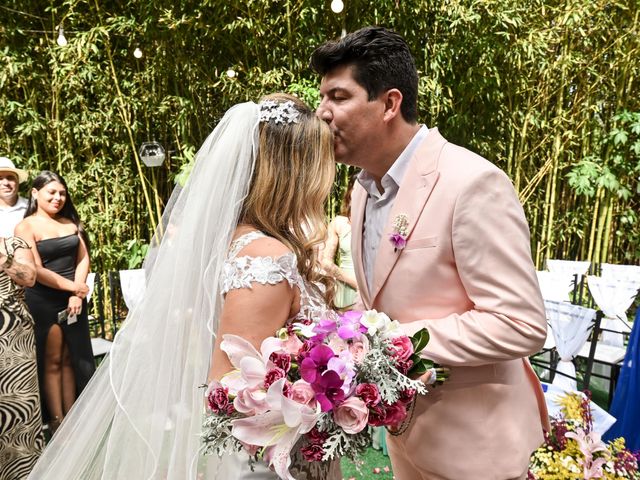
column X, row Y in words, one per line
column 392, row 103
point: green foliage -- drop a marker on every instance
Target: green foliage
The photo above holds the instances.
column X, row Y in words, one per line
column 136, row 253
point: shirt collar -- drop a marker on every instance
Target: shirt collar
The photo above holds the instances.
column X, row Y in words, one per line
column 20, row 204
column 393, row 178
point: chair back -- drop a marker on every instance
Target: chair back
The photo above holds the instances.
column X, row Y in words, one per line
column 571, row 325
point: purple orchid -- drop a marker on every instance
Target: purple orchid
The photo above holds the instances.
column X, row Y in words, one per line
column 323, row 328
column 328, row 390
column 350, row 326
column 398, row 240
column 343, row 366
column 315, row 363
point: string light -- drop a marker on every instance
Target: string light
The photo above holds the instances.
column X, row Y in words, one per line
column 62, row 40
column 231, row 73
column 137, row 53
column 337, row 6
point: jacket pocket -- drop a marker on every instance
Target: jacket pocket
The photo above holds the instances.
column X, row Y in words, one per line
column 426, row 242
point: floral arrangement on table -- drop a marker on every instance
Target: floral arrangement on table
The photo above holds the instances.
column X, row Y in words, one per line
column 574, row 451
column 316, row 387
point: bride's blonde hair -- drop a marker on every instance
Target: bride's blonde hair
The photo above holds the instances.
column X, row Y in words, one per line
column 292, row 179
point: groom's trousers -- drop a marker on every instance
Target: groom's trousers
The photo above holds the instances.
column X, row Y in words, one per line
column 404, row 469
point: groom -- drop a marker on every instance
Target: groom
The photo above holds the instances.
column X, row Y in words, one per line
column 465, row 272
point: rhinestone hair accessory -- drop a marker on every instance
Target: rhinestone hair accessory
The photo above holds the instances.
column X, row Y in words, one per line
column 279, row 112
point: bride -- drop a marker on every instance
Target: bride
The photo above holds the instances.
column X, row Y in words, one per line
column 236, row 255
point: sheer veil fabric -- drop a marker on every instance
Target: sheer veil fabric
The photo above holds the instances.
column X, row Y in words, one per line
column 140, row 416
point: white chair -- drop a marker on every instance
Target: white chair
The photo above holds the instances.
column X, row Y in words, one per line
column 571, row 325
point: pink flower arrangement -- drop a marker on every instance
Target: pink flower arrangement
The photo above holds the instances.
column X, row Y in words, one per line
column 315, row 387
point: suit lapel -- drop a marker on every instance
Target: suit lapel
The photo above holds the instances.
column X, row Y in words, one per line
column 416, row 187
column 358, row 203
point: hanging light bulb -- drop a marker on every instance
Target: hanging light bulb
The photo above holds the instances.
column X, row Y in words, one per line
column 231, row 73
column 62, row 41
column 137, row 53
column 337, row 6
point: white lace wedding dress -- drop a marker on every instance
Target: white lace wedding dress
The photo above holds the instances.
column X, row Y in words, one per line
column 242, row 272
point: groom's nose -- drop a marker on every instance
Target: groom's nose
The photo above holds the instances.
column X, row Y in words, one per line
column 323, row 112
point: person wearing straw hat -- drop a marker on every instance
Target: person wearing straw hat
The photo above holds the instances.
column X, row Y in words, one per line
column 12, row 206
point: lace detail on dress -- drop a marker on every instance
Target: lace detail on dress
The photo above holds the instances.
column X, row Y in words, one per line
column 241, row 272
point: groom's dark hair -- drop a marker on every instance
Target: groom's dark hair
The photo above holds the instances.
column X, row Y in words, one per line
column 381, row 61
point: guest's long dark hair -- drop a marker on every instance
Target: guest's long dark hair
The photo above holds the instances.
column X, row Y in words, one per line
column 68, row 209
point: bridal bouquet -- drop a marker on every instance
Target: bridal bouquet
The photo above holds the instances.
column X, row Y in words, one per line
column 316, row 387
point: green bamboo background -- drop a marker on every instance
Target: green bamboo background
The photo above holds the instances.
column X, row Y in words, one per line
column 547, row 90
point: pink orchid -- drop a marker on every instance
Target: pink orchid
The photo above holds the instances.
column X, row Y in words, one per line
column 278, row 429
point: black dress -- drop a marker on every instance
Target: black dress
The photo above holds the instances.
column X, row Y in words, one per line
column 59, row 255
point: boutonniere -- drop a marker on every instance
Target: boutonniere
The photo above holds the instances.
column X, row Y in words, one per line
column 398, row 236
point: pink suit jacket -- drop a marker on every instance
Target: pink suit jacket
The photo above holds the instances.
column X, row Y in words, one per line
column 466, row 274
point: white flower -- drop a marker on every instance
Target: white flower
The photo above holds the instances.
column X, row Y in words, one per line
column 374, row 321
column 392, row 330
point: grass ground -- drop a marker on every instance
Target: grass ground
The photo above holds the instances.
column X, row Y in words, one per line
column 372, row 461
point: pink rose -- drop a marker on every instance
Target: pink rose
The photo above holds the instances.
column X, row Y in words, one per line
column 403, row 348
column 359, row 349
column 303, row 393
column 273, row 376
column 352, row 415
column 395, row 414
column 369, row 393
column 251, row 401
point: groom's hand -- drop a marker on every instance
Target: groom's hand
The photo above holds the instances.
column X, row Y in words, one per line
column 427, row 377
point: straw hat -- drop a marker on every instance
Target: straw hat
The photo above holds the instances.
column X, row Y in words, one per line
column 7, row 165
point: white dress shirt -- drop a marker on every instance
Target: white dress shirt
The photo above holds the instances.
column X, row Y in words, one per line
column 379, row 205
column 12, row 216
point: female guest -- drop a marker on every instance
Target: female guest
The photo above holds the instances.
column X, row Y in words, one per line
column 20, row 424
column 57, row 301
column 339, row 239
